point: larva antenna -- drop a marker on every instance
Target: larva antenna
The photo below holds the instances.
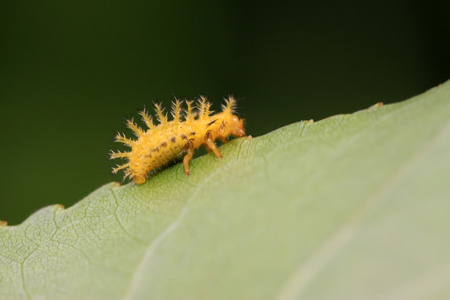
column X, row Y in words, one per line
column 136, row 129
column 162, row 118
column 176, row 110
column 147, row 119
column 230, row 105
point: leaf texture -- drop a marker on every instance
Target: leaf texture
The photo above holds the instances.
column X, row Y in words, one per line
column 352, row 207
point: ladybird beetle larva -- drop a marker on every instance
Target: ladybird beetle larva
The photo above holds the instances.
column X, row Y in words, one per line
column 169, row 140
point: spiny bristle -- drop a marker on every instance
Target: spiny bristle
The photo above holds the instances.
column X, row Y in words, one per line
column 147, row 119
column 176, row 110
column 230, row 105
column 122, row 139
column 126, row 174
column 118, row 154
column 136, row 129
column 162, row 118
column 120, row 167
column 190, row 113
column 203, row 107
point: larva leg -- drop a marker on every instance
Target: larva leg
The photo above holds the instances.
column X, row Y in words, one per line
column 207, row 148
column 221, row 129
column 209, row 143
column 188, row 156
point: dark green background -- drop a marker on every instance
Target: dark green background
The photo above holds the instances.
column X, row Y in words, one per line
column 70, row 71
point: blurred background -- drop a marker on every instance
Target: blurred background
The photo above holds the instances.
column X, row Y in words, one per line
column 71, row 72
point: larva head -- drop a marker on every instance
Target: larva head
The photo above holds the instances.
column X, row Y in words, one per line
column 237, row 127
column 232, row 125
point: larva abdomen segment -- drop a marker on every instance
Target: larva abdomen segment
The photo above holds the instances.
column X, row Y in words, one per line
column 164, row 142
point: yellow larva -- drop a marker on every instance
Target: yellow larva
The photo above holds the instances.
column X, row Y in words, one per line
column 169, row 140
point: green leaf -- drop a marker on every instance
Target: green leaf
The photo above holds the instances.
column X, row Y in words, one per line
column 352, row 207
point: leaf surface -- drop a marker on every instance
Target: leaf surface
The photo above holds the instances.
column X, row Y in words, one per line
column 352, row 207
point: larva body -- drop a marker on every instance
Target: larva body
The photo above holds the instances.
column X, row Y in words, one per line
column 169, row 140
